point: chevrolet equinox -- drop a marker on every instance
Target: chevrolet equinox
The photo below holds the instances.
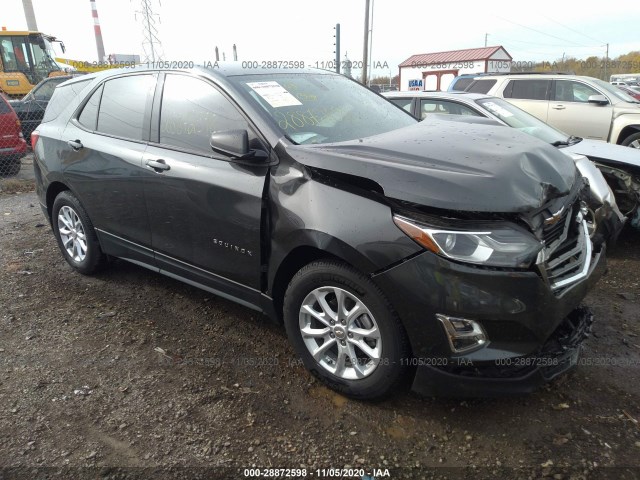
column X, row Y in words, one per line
column 453, row 256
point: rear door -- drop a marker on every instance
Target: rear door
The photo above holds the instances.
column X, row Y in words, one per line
column 205, row 210
column 571, row 112
column 103, row 148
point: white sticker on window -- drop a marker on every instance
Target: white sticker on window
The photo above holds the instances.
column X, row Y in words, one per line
column 274, row 93
column 498, row 110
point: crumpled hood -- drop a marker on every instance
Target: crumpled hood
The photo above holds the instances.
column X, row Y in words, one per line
column 609, row 153
column 452, row 166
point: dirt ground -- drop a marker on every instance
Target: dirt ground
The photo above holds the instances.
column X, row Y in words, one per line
column 129, row 374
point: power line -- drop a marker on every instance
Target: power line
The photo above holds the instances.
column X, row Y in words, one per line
column 573, row 30
column 544, row 33
column 541, row 44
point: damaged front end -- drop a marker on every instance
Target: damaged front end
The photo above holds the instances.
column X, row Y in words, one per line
column 604, row 218
column 626, row 188
column 507, row 307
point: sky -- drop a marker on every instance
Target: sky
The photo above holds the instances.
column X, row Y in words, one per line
column 295, row 30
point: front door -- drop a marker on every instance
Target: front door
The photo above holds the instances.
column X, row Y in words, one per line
column 205, row 209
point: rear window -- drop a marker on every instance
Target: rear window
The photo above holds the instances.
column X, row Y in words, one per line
column 481, row 86
column 527, row 89
column 62, row 97
column 124, row 103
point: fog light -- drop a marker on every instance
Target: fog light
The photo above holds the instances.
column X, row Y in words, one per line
column 463, row 334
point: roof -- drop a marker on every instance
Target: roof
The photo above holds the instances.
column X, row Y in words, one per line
column 452, row 56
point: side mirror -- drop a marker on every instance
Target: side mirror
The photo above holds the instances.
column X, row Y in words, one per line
column 235, row 144
column 598, row 99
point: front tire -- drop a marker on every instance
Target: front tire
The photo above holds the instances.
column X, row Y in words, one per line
column 632, row 141
column 345, row 331
column 75, row 234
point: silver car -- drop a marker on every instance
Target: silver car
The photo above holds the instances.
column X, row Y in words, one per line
column 620, row 166
column 581, row 106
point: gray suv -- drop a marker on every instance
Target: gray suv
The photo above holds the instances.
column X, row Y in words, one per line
column 581, row 106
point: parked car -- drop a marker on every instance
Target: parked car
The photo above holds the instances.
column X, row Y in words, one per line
column 31, row 107
column 630, row 91
column 387, row 247
column 620, row 166
column 581, row 106
column 12, row 145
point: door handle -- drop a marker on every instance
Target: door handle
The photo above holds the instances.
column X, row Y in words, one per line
column 558, row 107
column 158, row 165
column 75, row 144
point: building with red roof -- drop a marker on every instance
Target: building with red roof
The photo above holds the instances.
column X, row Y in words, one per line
column 435, row 71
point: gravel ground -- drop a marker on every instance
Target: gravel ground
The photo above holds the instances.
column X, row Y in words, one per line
column 128, row 374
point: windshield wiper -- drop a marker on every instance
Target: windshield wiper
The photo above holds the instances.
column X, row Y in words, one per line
column 572, row 140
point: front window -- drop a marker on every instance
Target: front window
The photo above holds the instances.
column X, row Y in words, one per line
column 322, row 108
column 570, row 91
column 517, row 118
column 614, row 91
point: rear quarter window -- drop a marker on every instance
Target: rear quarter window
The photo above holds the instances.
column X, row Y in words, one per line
column 481, row 86
column 462, row 84
column 62, row 97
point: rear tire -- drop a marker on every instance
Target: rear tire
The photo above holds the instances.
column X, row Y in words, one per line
column 75, row 234
column 345, row 330
column 632, row 141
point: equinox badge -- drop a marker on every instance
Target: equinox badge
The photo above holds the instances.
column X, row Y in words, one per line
column 232, row 247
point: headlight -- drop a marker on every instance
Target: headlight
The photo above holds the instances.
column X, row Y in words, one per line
column 500, row 245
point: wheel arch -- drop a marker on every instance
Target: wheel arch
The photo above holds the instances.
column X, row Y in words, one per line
column 316, row 246
column 626, row 131
column 53, row 190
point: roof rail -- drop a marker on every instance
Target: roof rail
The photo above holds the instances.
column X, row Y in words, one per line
column 529, row 73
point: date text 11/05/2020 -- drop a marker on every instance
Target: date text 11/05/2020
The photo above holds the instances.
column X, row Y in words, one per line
column 248, row 64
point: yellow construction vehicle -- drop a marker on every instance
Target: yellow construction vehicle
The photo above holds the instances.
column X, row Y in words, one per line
column 25, row 59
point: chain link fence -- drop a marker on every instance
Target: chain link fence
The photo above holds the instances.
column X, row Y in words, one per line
column 22, row 106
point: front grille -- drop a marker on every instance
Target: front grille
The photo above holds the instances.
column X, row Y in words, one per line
column 568, row 253
column 555, row 231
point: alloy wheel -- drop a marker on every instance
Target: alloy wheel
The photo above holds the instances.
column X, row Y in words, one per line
column 340, row 333
column 72, row 233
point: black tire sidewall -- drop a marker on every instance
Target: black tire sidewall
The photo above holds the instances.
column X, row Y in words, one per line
column 630, row 139
column 94, row 256
column 390, row 370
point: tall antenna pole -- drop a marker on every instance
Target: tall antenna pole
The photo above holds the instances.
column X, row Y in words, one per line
column 98, row 31
column 30, row 16
column 151, row 43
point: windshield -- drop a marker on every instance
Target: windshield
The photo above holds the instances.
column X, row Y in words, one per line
column 29, row 55
column 321, row 108
column 517, row 118
column 615, row 91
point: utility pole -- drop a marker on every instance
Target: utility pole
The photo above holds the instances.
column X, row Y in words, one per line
column 235, row 53
column 371, row 43
column 337, row 45
column 606, row 60
column 486, row 35
column 30, row 15
column 365, row 53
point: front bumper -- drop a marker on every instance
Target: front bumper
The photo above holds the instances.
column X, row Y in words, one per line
column 522, row 317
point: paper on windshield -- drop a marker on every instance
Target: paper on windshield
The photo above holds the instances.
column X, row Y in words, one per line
column 497, row 109
column 274, row 93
